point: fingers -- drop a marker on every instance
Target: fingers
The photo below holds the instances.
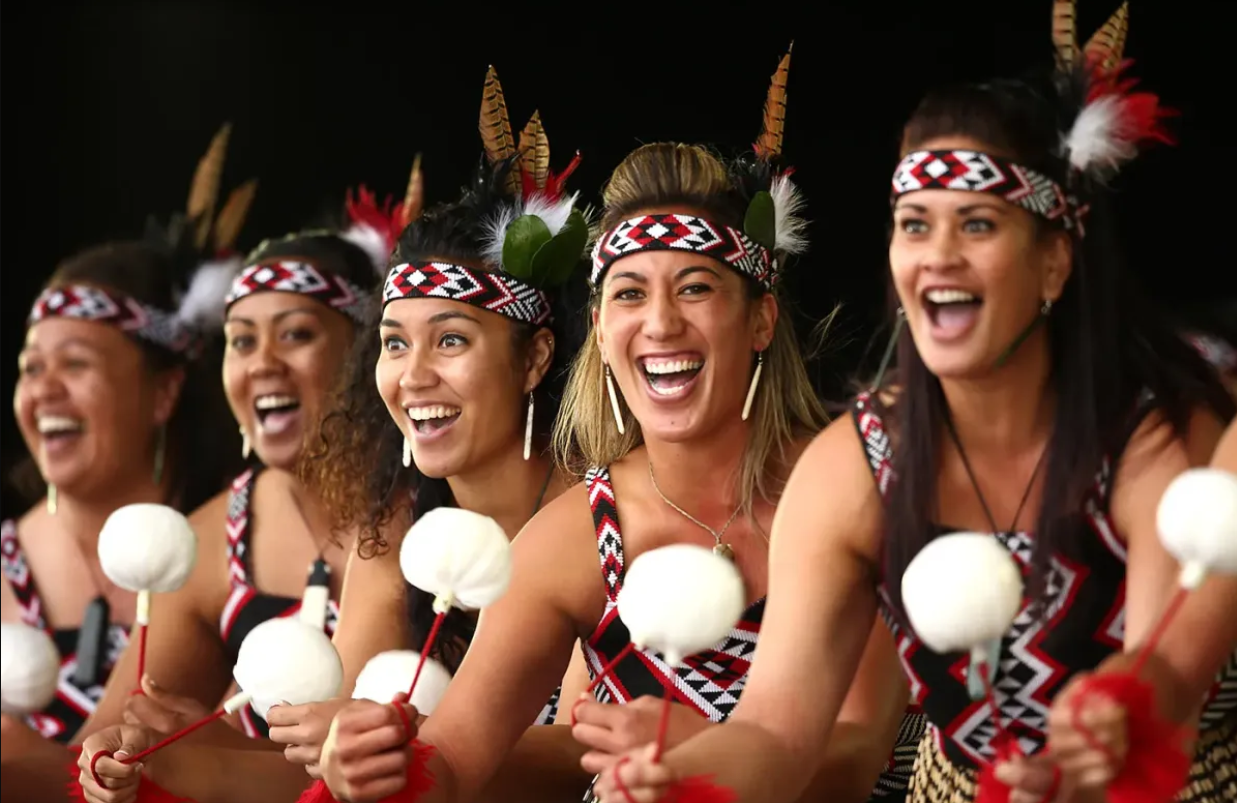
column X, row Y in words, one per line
column 599, row 738
column 303, row 754
column 105, row 779
column 357, row 746
column 587, row 711
column 596, row 762
column 635, row 778
column 284, row 715
column 308, row 733
column 366, row 715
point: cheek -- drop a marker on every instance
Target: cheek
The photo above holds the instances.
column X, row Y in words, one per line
column 386, row 378
column 235, row 388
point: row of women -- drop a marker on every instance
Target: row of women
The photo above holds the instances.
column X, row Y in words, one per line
column 1027, row 393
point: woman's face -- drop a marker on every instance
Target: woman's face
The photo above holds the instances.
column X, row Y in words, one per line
column 680, row 334
column 284, row 352
column 971, row 272
column 455, row 383
column 88, row 405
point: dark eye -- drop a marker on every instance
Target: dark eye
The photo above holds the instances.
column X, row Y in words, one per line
column 696, row 289
column 912, row 225
column 451, row 340
column 300, row 334
column 627, row 294
column 31, row 368
column 393, row 343
column 978, row 225
column 240, row 342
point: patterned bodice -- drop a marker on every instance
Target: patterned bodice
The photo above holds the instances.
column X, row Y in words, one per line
column 247, row 607
column 1081, row 624
column 73, row 704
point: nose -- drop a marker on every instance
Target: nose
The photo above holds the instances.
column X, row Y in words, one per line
column 664, row 319
column 264, row 361
column 942, row 252
column 47, row 386
column 418, row 372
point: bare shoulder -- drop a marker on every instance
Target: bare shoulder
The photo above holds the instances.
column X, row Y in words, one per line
column 1155, row 440
column 209, row 585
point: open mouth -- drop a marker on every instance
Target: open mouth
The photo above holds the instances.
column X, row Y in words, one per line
column 670, row 377
column 433, row 418
column 276, row 413
column 951, row 310
column 58, row 428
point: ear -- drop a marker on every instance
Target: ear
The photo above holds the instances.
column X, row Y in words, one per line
column 1058, row 263
column 168, row 385
column 540, row 357
column 765, row 322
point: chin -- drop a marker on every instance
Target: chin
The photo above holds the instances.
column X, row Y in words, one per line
column 436, row 466
column 956, row 365
column 674, row 428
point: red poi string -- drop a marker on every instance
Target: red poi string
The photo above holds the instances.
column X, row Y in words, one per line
column 601, row 676
column 180, row 734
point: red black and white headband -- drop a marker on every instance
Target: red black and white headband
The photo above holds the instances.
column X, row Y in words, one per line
column 974, row 171
column 89, row 303
column 495, row 291
column 304, row 278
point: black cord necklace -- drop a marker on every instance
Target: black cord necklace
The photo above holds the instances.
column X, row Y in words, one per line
column 966, row 464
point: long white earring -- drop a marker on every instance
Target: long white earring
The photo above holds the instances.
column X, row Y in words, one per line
column 528, row 429
column 614, row 405
column 245, row 446
column 52, row 500
column 407, row 452
column 751, row 391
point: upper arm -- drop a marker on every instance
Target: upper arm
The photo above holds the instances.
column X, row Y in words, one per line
column 1153, row 459
column 184, row 651
column 575, row 682
column 822, row 598
column 10, row 611
column 522, row 644
column 373, row 614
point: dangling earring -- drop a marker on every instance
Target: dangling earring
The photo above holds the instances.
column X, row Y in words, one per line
column 1046, row 308
column 245, row 448
column 528, row 429
column 614, row 405
column 161, row 441
column 52, row 501
column 751, row 391
column 407, row 452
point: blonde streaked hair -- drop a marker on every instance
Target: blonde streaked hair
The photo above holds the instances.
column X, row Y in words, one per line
column 786, row 407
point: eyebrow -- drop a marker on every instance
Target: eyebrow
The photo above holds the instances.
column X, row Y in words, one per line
column 639, row 277
column 434, row 319
column 68, row 342
column 279, row 316
column 961, row 210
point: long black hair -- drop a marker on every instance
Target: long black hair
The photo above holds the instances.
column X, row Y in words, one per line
column 1108, row 346
column 356, row 465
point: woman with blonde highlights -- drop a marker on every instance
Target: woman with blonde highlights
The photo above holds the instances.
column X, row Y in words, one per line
column 685, row 413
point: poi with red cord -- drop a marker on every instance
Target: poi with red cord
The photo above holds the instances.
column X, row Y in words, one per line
column 464, row 560
column 961, row 594
column 147, row 549
column 1197, row 523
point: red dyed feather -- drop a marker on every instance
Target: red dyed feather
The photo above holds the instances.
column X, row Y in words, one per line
column 556, row 183
column 363, row 210
column 1156, row 765
column 1142, row 114
column 698, row 789
column 420, row 778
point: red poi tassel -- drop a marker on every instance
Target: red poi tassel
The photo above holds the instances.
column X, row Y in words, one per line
column 147, row 790
column 420, row 780
column 992, row 789
column 698, row 789
column 316, row 793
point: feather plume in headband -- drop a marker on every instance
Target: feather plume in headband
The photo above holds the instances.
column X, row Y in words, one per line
column 376, row 229
column 773, row 227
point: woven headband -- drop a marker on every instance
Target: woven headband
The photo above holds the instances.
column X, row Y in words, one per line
column 490, row 290
column 973, row 171
column 294, row 276
column 684, row 233
column 88, row 303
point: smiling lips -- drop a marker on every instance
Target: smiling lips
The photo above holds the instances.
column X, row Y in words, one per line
column 59, row 433
column 277, row 413
column 671, row 376
column 952, row 311
column 430, row 420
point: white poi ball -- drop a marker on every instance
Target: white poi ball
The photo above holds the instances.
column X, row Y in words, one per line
column 962, row 591
column 680, row 599
column 457, row 555
column 1197, row 520
column 285, row 660
column 29, row 669
column 390, row 673
column 147, row 547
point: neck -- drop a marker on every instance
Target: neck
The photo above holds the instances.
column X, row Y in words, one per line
column 1010, row 409
column 506, row 488
column 316, row 519
column 690, row 474
column 82, row 517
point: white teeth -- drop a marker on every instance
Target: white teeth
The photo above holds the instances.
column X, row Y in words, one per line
column 274, row 402
column 673, row 366
column 52, row 424
column 430, row 413
column 949, row 296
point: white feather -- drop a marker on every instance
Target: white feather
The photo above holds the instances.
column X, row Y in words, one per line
column 372, row 242
column 789, row 225
column 553, row 213
column 1096, row 142
column 202, row 305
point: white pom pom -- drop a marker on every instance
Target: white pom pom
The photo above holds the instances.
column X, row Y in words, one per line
column 680, row 599
column 461, row 557
column 390, row 673
column 29, row 669
column 962, row 591
column 285, row 660
column 147, row 547
column 1197, row 519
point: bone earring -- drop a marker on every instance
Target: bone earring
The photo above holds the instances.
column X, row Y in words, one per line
column 614, row 404
column 407, row 452
column 528, row 429
column 52, row 501
column 1046, row 308
column 245, row 446
column 751, row 391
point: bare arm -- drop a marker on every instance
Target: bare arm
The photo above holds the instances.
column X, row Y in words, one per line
column 822, row 603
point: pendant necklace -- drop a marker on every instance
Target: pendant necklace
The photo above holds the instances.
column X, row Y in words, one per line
column 718, row 547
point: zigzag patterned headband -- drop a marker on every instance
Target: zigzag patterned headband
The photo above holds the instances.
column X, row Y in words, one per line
column 684, row 233
column 489, row 290
column 973, row 171
column 88, row 303
column 296, row 276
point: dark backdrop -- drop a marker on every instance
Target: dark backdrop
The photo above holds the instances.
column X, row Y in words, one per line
column 108, row 107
